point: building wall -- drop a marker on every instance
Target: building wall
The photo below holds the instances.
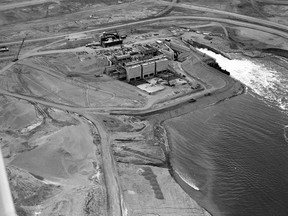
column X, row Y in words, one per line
column 148, row 69
column 178, row 47
column 161, row 65
column 168, row 53
column 134, row 72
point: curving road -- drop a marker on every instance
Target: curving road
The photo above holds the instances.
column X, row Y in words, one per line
column 115, row 202
column 24, row 4
column 272, row 2
column 165, row 11
column 212, row 24
column 260, row 27
column 230, row 15
column 250, row 22
column 281, row 30
column 114, row 198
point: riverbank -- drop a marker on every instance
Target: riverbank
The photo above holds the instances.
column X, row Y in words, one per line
column 195, row 194
column 149, row 190
column 138, row 149
column 144, row 174
column 235, row 153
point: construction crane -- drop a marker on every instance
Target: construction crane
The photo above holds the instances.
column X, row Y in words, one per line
column 17, row 56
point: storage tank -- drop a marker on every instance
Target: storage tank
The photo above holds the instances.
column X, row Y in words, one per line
column 161, row 65
column 148, row 69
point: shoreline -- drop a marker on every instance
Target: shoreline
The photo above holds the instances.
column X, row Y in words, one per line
column 190, row 183
column 190, row 190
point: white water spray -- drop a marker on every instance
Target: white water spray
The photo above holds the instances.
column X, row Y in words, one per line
column 271, row 85
column 187, row 180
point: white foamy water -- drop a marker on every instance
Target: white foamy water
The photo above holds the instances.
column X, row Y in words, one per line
column 187, row 180
column 269, row 84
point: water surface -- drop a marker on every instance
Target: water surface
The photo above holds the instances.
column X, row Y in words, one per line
column 236, row 152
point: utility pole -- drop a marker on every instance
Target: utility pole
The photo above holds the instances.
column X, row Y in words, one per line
column 17, row 56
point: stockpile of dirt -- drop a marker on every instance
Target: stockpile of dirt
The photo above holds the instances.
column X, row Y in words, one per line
column 27, row 189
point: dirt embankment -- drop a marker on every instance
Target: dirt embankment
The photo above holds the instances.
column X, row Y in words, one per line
column 140, row 150
column 53, row 161
column 28, row 189
column 278, row 52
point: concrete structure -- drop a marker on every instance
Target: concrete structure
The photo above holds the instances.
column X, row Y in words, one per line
column 178, row 47
column 110, row 39
column 151, row 89
column 145, row 69
column 148, row 69
column 170, row 54
column 134, row 72
column 122, row 59
column 161, row 65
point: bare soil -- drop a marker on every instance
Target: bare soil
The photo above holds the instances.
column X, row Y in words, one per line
column 54, row 158
column 54, row 164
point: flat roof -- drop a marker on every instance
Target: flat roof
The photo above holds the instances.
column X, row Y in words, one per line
column 154, row 59
column 150, row 88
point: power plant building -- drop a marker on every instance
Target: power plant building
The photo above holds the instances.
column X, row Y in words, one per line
column 145, row 69
column 170, row 54
column 161, row 65
column 148, row 69
column 134, row 72
column 140, row 61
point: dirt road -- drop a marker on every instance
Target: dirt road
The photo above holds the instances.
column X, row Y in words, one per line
column 248, row 19
column 259, row 26
column 270, row 30
column 23, row 4
column 272, row 2
column 115, row 202
column 114, row 205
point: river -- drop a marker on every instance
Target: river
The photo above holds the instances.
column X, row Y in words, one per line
column 234, row 155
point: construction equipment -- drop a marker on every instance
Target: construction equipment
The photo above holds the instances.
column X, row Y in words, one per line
column 17, row 56
column 4, row 49
column 110, row 39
